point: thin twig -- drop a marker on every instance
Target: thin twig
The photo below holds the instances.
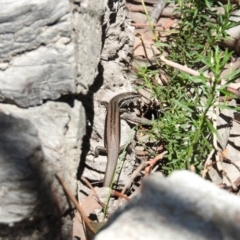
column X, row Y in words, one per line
column 237, row 181
column 146, row 25
column 153, row 161
column 219, row 158
column 93, row 190
column 120, row 195
column 88, row 184
column 208, row 163
column 181, row 67
column 144, row 48
column 134, row 174
column 75, row 202
column 233, row 163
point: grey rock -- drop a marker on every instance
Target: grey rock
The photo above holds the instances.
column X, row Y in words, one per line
column 118, row 45
column 87, row 23
column 26, row 197
column 59, row 128
column 36, row 51
column 21, row 171
column 182, row 206
column 48, row 49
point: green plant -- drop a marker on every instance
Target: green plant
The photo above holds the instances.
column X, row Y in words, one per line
column 186, row 101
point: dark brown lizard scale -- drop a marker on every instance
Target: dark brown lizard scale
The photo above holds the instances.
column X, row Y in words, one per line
column 113, row 131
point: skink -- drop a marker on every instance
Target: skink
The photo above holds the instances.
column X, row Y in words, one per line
column 113, row 132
